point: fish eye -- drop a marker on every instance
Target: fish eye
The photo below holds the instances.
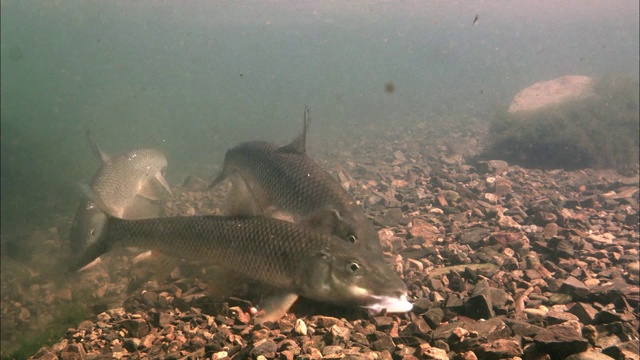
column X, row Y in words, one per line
column 352, row 238
column 353, row 267
column 92, row 232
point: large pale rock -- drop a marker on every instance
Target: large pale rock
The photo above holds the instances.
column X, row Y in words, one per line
column 552, row 92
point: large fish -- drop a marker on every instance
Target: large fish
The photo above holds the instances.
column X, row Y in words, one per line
column 278, row 254
column 128, row 186
column 285, row 183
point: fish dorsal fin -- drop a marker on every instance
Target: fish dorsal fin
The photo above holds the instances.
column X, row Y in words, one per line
column 97, row 150
column 299, row 144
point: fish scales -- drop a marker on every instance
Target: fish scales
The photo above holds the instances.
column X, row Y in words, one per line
column 234, row 243
column 296, row 182
column 137, row 166
column 286, row 183
column 282, row 255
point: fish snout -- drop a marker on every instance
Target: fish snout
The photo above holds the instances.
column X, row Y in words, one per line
column 397, row 302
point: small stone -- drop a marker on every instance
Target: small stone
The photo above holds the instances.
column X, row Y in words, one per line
column 266, row 348
column 64, row 294
column 574, row 287
column 627, row 350
column 425, row 230
column 399, row 156
column 162, row 319
column 479, row 305
column 589, row 355
column 73, row 352
column 136, row 327
column 131, row 344
column 300, row 327
column 432, row 353
column 502, row 187
column 492, row 166
column 337, row 335
column 332, row 350
column 559, row 317
column 558, row 298
column 434, row 317
column 499, row 349
column 550, row 230
column 383, row 322
column 491, row 330
column 522, row 328
column 221, row 355
column 561, row 340
column 384, row 342
column 393, row 216
column 44, row 354
column 585, row 312
column 327, row 321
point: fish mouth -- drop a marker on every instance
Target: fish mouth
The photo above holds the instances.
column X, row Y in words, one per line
column 391, row 303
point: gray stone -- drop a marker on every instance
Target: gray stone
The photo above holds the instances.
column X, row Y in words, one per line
column 628, row 350
column 136, row 327
column 574, row 287
column 589, row 355
column 479, row 305
column 499, row 349
column 560, row 341
column 266, row 348
column 585, row 313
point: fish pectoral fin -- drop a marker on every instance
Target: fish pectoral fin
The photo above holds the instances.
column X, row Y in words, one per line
column 299, row 144
column 164, row 183
column 153, row 189
column 276, row 306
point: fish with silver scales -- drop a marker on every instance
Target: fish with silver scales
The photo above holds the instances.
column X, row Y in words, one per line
column 287, row 257
column 284, row 182
column 128, row 185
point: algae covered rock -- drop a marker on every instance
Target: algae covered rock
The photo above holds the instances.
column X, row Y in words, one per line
column 571, row 122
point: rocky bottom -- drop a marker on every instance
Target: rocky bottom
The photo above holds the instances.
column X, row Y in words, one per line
column 501, row 262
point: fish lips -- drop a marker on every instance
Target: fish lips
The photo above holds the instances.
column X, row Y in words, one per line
column 392, row 304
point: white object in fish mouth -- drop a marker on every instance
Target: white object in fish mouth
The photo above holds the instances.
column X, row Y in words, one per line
column 392, row 304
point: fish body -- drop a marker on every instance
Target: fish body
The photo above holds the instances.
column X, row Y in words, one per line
column 284, row 179
column 279, row 254
column 132, row 174
column 128, row 186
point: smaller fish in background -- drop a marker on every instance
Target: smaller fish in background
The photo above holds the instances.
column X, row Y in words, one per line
column 475, row 20
column 129, row 185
